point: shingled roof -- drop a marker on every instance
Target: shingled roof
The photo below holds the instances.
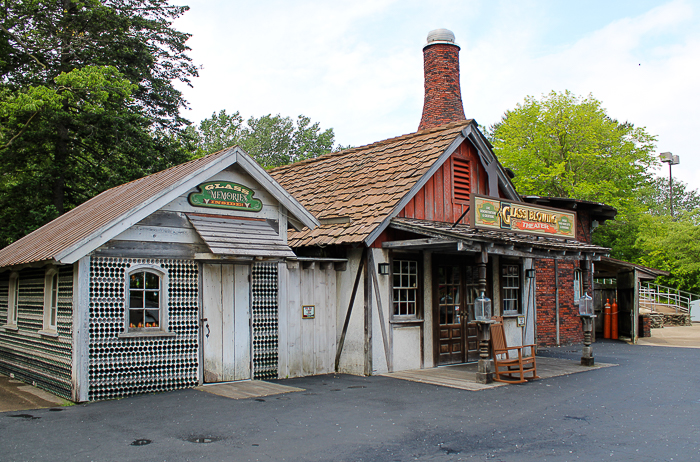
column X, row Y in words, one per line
column 354, row 191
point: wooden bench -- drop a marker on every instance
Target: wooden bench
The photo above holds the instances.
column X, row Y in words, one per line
column 507, row 367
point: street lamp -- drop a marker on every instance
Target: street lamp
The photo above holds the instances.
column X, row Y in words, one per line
column 670, row 159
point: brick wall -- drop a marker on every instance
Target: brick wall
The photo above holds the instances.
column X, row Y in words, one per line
column 570, row 330
column 443, row 97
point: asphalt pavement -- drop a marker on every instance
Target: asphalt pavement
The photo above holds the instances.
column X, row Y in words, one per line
column 645, row 409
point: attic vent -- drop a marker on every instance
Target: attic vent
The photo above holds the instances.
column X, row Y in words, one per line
column 460, row 176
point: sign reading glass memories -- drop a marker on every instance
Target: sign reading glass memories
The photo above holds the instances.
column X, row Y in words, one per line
column 497, row 214
column 225, row 195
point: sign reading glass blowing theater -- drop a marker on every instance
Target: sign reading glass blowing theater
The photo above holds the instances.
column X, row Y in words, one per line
column 225, row 195
column 492, row 213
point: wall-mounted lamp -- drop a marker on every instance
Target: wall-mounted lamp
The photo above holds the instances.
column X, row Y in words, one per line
column 530, row 273
column 383, row 268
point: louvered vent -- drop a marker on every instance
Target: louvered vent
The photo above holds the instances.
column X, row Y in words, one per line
column 460, row 174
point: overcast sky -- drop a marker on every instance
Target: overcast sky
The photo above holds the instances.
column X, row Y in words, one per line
column 357, row 66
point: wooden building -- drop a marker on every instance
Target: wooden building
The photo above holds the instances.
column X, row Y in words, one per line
column 166, row 282
column 362, row 261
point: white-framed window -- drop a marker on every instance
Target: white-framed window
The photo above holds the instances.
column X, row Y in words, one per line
column 146, row 298
column 13, row 300
column 510, row 285
column 51, row 299
column 405, row 288
column 578, row 285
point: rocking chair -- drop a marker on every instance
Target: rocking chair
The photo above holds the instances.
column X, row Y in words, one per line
column 511, row 369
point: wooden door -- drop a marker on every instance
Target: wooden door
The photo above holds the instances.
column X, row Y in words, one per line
column 456, row 335
column 226, row 322
column 450, row 328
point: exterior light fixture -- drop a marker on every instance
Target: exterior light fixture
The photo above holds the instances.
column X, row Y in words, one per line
column 670, row 159
column 530, row 273
column 585, row 305
column 482, row 308
column 383, row 268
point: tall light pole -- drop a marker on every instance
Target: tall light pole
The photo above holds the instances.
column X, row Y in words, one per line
column 670, row 159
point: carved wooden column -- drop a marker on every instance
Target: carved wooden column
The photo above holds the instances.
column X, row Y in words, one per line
column 484, row 372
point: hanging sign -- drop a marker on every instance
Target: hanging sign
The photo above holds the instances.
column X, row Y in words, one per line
column 496, row 214
column 225, row 195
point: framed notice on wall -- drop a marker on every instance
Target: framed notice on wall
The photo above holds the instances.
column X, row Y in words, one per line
column 308, row 311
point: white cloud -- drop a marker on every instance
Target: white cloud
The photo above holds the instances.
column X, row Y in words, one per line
column 357, row 66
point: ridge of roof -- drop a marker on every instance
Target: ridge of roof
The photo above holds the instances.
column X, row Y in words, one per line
column 353, row 150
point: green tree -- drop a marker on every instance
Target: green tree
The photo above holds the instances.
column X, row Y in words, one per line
column 566, row 146
column 672, row 245
column 271, row 140
column 87, row 102
column 655, row 197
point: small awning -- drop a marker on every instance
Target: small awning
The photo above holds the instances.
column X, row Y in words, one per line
column 239, row 237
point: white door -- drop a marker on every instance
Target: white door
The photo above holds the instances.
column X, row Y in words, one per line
column 226, row 322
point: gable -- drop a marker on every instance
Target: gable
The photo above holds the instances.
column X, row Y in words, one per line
column 113, row 212
column 446, row 194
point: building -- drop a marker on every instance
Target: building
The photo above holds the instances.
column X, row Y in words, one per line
column 362, row 261
column 429, row 221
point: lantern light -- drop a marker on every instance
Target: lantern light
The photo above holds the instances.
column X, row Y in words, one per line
column 482, row 308
column 585, row 305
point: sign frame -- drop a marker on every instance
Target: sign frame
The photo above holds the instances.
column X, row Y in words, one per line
column 226, row 195
column 308, row 311
column 488, row 213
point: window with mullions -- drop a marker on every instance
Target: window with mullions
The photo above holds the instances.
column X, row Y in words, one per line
column 145, row 301
column 510, row 284
column 405, row 274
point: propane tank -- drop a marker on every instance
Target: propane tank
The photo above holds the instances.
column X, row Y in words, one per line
column 613, row 320
column 606, row 319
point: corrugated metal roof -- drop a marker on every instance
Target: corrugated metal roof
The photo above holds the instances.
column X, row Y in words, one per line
column 354, row 190
column 80, row 223
column 235, row 236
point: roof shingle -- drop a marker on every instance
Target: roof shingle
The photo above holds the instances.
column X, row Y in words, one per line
column 363, row 184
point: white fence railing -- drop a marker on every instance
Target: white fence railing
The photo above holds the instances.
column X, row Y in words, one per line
column 654, row 296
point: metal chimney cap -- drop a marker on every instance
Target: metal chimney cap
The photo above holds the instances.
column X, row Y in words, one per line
column 444, row 36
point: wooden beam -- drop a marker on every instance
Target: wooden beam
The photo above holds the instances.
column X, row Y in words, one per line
column 378, row 297
column 339, row 350
column 368, row 317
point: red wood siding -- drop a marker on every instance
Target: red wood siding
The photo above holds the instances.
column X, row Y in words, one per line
column 436, row 201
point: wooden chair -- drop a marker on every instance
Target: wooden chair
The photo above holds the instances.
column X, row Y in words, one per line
column 507, row 367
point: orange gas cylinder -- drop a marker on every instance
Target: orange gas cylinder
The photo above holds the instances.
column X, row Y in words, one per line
column 606, row 319
column 613, row 320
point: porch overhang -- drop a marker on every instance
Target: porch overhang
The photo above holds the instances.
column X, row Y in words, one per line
column 462, row 238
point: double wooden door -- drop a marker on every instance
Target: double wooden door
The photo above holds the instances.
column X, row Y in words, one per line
column 226, row 322
column 455, row 286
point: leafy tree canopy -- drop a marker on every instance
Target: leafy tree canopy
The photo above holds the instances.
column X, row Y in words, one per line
column 566, row 146
column 270, row 140
column 86, row 102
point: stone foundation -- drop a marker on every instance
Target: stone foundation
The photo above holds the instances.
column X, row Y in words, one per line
column 659, row 320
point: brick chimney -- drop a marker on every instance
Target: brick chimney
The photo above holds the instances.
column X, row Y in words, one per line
column 443, row 97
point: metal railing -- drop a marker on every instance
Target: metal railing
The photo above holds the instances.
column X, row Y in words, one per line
column 653, row 296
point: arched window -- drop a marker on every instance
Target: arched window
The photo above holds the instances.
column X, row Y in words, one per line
column 146, row 299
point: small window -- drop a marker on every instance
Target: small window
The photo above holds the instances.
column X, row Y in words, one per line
column 51, row 299
column 405, row 287
column 13, row 300
column 146, row 300
column 510, row 283
column 578, row 285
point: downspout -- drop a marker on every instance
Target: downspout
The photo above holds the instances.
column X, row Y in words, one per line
column 556, row 295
